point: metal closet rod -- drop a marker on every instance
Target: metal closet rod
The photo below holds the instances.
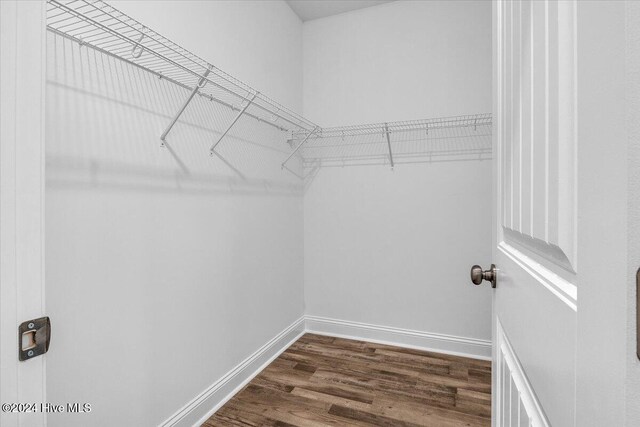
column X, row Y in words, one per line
column 140, row 47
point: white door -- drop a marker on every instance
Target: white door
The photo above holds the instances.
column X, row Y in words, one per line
column 559, row 213
column 535, row 302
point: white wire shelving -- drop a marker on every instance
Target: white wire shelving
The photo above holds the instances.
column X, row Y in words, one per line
column 96, row 24
column 392, row 143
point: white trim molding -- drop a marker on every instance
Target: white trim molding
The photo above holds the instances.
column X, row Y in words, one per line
column 198, row 410
column 428, row 341
column 22, row 199
column 566, row 291
column 516, row 402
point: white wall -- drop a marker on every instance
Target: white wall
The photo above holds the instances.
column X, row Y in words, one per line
column 394, row 248
column 161, row 277
column 258, row 42
column 398, row 61
column 633, row 236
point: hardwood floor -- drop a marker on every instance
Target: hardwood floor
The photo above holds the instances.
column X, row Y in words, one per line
column 322, row 381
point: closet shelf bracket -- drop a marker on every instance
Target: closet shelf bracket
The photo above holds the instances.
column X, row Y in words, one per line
column 212, row 150
column 295, row 173
column 386, row 131
column 283, row 166
column 200, row 85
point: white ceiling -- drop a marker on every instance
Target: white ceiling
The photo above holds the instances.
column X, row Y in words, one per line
column 314, row 9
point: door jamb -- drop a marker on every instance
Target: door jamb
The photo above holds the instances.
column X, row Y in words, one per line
column 22, row 117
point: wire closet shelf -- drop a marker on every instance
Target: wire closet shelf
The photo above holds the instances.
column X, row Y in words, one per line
column 107, row 29
column 97, row 24
column 413, row 141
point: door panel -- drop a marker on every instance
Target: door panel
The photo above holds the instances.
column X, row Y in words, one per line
column 534, row 141
column 538, row 134
column 541, row 329
column 518, row 406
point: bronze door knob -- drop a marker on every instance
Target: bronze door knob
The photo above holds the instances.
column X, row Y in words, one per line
column 477, row 275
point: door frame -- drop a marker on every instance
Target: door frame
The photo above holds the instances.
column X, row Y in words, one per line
column 602, row 346
column 22, row 160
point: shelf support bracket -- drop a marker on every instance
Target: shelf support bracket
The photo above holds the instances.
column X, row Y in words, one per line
column 295, row 173
column 386, row 131
column 200, row 85
column 249, row 102
column 283, row 166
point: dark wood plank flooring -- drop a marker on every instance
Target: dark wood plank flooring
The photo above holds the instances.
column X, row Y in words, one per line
column 326, row 381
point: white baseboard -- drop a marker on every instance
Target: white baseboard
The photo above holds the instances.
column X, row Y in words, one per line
column 210, row 400
column 198, row 410
column 440, row 343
